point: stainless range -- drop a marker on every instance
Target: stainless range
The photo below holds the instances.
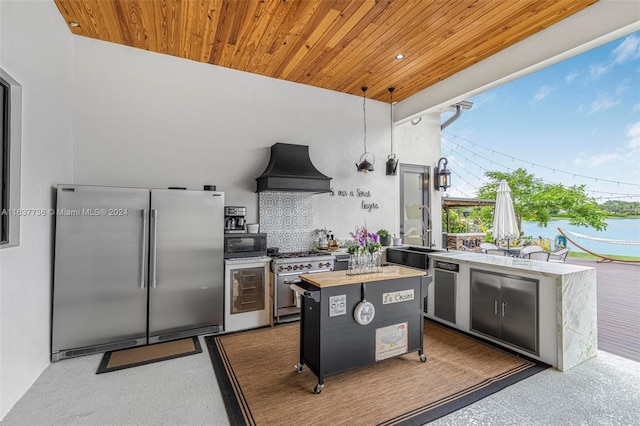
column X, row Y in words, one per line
column 286, row 268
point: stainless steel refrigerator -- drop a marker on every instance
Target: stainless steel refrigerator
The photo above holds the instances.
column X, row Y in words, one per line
column 135, row 266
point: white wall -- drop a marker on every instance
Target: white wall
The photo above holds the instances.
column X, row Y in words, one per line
column 104, row 114
column 36, row 50
column 145, row 119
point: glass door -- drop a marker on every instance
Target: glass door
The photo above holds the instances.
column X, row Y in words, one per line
column 415, row 213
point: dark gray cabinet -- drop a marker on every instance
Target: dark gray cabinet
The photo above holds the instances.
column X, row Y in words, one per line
column 444, row 288
column 505, row 307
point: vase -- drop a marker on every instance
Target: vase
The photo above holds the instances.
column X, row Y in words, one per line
column 364, row 263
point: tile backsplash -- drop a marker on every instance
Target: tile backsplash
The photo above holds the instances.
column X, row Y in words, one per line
column 287, row 219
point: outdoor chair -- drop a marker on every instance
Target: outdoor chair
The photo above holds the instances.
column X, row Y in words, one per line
column 559, row 256
column 497, row 252
column 538, row 255
column 487, row 246
column 532, row 248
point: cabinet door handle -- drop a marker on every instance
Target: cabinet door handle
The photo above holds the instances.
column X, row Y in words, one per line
column 504, row 308
column 143, row 250
column 495, row 307
column 154, row 251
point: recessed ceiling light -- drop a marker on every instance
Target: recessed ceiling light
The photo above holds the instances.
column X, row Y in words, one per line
column 73, row 24
column 399, row 56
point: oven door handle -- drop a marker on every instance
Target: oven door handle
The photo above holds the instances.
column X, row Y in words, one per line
column 289, row 282
column 315, row 295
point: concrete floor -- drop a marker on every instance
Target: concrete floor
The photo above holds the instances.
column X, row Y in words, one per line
column 184, row 391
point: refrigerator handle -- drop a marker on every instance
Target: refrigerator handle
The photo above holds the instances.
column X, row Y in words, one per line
column 143, row 251
column 152, row 266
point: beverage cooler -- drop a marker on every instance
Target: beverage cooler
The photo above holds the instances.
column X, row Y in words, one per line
column 246, row 301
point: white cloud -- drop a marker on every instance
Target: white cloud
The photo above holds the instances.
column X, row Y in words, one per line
column 636, row 107
column 570, row 77
column 598, row 159
column 603, row 103
column 628, row 50
column 621, row 89
column 598, row 70
column 542, row 93
column 633, row 132
column 629, row 152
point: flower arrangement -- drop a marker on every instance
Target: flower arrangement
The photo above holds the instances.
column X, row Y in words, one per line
column 363, row 241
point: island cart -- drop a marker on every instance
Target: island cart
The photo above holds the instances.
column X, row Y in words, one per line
column 349, row 321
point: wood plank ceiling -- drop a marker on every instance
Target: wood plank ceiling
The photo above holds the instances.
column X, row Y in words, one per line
column 339, row 45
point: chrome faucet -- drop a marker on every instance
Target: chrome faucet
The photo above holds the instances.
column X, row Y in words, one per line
column 426, row 230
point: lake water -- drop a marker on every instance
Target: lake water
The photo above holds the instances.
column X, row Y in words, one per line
column 617, row 229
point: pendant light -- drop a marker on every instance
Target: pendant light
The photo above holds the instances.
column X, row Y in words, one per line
column 365, row 165
column 392, row 162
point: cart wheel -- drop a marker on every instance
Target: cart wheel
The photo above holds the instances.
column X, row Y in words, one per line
column 299, row 368
column 318, row 388
column 423, row 358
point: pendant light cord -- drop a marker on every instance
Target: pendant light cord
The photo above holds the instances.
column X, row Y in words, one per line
column 364, row 110
column 391, row 89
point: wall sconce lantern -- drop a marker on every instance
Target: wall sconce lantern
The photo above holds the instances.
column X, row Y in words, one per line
column 442, row 176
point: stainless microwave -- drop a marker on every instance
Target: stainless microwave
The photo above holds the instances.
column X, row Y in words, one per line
column 245, row 245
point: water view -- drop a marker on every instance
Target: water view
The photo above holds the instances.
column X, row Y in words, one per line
column 617, row 229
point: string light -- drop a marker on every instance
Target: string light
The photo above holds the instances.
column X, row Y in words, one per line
column 455, row 151
column 474, row 144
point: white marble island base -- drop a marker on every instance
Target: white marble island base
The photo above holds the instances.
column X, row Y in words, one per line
column 567, row 304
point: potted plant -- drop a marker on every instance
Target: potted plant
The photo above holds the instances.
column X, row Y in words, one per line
column 397, row 241
column 385, row 238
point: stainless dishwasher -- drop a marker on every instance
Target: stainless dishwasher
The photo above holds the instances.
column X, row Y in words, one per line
column 445, row 276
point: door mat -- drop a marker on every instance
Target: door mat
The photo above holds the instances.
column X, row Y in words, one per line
column 260, row 385
column 141, row 355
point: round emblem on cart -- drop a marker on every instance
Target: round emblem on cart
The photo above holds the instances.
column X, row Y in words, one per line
column 364, row 312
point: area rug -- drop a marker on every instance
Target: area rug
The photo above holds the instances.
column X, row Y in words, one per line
column 260, row 385
column 141, row 355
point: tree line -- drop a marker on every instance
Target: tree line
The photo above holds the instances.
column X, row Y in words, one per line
column 537, row 201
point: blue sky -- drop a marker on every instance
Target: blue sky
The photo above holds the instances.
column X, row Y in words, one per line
column 575, row 122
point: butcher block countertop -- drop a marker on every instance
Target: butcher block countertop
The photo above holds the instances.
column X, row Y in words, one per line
column 337, row 278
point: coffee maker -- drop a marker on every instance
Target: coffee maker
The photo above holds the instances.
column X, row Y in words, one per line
column 234, row 220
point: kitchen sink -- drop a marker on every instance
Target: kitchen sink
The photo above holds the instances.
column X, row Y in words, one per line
column 413, row 256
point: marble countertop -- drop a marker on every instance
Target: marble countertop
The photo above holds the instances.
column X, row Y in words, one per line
column 512, row 263
column 337, row 278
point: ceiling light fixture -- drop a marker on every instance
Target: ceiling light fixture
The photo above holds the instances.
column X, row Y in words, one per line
column 73, row 24
column 392, row 162
column 399, row 56
column 365, row 165
column 442, row 176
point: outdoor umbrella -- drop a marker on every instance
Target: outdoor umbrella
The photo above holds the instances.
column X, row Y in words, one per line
column 505, row 225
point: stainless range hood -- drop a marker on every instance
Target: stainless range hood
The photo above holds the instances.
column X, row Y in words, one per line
column 290, row 170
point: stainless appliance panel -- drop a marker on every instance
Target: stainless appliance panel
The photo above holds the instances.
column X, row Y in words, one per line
column 485, row 303
column 519, row 310
column 189, row 269
column 287, row 300
column 99, row 293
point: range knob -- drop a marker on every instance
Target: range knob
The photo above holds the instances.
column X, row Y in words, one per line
column 280, row 269
column 301, row 266
column 289, row 268
column 309, row 266
column 295, row 267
